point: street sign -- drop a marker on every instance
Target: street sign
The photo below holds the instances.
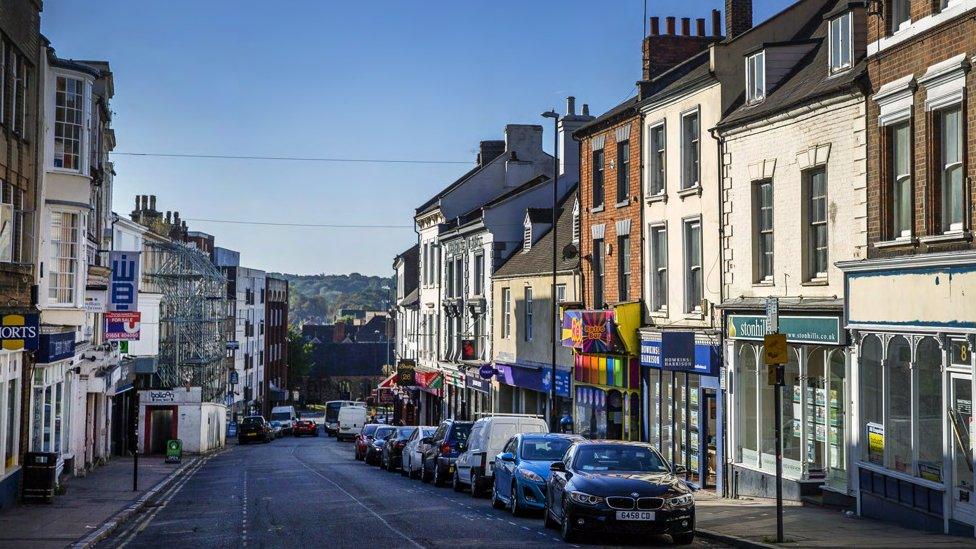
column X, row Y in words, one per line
column 775, row 349
column 234, row 377
column 772, row 315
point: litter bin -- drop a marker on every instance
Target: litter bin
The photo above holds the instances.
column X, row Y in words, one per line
column 40, row 472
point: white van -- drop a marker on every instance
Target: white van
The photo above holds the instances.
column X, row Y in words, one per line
column 488, row 436
column 351, row 421
column 284, row 418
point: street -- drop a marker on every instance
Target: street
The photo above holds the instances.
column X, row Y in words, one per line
column 297, row 492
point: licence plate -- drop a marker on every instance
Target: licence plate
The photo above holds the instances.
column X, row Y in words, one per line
column 450, row 469
column 635, row 515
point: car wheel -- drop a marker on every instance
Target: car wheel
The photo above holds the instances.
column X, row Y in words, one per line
column 496, row 503
column 566, row 529
column 456, row 482
column 389, row 464
column 683, row 539
column 513, row 505
column 547, row 514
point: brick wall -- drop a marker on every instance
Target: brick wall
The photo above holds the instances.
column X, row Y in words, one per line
column 611, row 212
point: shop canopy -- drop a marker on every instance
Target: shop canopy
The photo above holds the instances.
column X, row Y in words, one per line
column 388, row 382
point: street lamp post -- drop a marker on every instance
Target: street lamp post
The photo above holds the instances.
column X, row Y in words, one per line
column 553, row 417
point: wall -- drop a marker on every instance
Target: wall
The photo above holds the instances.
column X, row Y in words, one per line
column 515, row 349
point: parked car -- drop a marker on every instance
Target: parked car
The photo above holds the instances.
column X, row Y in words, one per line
column 618, row 487
column 391, row 458
column 488, row 436
column 283, row 419
column 253, row 429
column 412, row 461
column 364, row 438
column 275, row 430
column 332, row 415
column 522, row 469
column 351, row 420
column 443, row 448
column 375, row 447
column 305, row 427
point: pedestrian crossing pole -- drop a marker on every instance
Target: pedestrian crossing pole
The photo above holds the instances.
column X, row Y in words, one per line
column 775, row 356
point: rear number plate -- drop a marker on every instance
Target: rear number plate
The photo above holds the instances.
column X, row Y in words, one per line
column 635, row 515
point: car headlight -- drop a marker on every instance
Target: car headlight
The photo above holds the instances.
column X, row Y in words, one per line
column 680, row 502
column 585, row 499
column 529, row 475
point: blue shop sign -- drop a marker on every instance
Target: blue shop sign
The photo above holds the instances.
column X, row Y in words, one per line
column 678, row 351
column 708, row 358
column 535, row 379
column 477, row 384
column 55, row 347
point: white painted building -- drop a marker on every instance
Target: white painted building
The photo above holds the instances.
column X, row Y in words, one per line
column 245, row 304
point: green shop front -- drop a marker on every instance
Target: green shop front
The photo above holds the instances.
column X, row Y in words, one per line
column 814, row 408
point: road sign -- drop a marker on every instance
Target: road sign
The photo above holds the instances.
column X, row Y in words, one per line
column 772, row 315
column 775, row 349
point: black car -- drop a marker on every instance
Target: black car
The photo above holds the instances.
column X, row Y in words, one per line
column 374, row 449
column 443, row 449
column 254, row 429
column 618, row 488
column 391, row 458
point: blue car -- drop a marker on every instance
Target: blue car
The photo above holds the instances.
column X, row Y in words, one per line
column 522, row 469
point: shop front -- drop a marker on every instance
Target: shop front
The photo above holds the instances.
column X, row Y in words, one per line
column 51, row 407
column 525, row 387
column 815, row 399
column 684, row 410
column 912, row 436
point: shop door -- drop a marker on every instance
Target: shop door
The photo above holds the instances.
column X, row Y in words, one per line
column 960, row 423
column 161, row 430
column 709, row 436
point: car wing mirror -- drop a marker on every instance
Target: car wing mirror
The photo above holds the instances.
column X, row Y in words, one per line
column 507, row 456
column 680, row 469
column 557, row 467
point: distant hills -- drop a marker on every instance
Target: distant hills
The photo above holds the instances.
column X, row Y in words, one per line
column 315, row 299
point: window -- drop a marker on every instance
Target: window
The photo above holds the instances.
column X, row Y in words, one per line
column 659, row 268
column 12, row 428
column 901, row 180
column 11, row 223
column 576, row 221
column 479, row 274
column 64, row 257
column 526, row 235
column 449, row 290
column 425, row 270
column 840, row 42
column 623, row 171
column 898, row 430
column 20, row 81
column 598, row 260
column 690, row 150
column 458, row 277
column 693, row 266
column 528, row 314
column 756, row 77
column 953, row 195
column 560, row 293
column 928, row 370
column 657, row 160
column 901, row 14
column 598, row 193
column 506, row 312
column 817, row 224
column 764, row 229
column 623, row 267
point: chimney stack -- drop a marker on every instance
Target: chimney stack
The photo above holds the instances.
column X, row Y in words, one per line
column 489, row 150
column 669, row 24
column 716, row 23
column 738, row 17
column 685, row 26
column 655, row 26
column 570, row 105
column 700, row 27
column 567, row 149
column 586, row 109
column 176, row 218
column 145, row 202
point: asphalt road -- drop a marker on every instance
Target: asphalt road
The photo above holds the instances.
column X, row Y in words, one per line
column 310, row 492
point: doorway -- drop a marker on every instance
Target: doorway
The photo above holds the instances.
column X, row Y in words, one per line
column 960, row 426
column 709, row 436
column 161, row 428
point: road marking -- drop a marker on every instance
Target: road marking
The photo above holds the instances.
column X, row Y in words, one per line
column 244, row 511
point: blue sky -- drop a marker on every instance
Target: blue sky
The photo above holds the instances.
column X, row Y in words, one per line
column 397, row 80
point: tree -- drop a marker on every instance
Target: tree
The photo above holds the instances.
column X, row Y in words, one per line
column 299, row 358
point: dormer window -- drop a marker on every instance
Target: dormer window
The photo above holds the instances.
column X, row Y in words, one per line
column 840, row 43
column 576, row 222
column 527, row 235
column 756, row 77
column 901, row 15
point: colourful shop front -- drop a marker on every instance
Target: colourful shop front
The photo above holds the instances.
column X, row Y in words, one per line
column 606, row 372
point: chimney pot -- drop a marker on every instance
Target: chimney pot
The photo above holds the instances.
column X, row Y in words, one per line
column 686, row 26
column 655, row 26
column 586, row 109
column 152, row 202
column 700, row 26
column 169, row 217
column 137, row 203
column 716, row 23
column 145, row 202
column 669, row 25
column 570, row 105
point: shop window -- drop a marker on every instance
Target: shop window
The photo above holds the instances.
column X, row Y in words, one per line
column 817, row 411
column 928, row 365
column 898, row 429
column 872, row 411
column 748, row 405
column 836, row 431
column 57, row 416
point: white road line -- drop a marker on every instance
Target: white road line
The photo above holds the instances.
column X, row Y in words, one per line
column 137, row 528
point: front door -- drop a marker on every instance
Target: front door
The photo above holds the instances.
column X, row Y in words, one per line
column 960, row 423
column 161, row 429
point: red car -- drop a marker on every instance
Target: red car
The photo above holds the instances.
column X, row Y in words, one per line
column 305, row 427
column 364, row 439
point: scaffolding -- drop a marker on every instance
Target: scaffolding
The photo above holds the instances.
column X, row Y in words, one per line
column 192, row 318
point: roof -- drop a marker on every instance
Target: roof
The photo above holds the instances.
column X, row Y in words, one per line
column 475, row 214
column 411, row 299
column 686, row 74
column 627, row 107
column 432, row 203
column 538, row 260
column 808, row 80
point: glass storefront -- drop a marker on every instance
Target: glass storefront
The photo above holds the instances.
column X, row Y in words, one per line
column 607, row 402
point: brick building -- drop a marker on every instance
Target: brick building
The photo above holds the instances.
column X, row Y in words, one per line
column 911, row 429
column 275, row 342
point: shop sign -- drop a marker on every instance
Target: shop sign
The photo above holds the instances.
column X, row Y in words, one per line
column 122, row 326
column 162, row 396
column 234, row 377
column 19, row 332
column 468, row 351
column 589, row 331
column 123, row 285
column 876, row 442
column 94, row 302
column 678, row 351
column 798, row 329
column 487, row 371
column 233, row 345
column 477, row 384
column 708, row 358
column 535, row 379
column 406, row 373
column 55, row 347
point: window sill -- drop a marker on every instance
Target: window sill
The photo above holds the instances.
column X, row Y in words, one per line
column 815, row 282
column 694, row 316
column 596, row 209
column 763, row 284
column 690, row 191
column 659, row 314
column 902, row 241
column 955, row 236
column 660, row 197
column 623, row 203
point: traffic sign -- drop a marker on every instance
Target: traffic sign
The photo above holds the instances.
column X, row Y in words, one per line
column 772, row 315
column 775, row 349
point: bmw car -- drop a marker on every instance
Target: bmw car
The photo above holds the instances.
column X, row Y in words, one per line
column 522, row 468
column 617, row 487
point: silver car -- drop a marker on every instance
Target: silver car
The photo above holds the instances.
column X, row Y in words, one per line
column 412, row 459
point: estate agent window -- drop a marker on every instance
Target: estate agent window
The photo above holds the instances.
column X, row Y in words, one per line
column 623, row 171
column 840, row 43
column 657, row 160
column 690, row 150
column 900, row 152
column 659, row 268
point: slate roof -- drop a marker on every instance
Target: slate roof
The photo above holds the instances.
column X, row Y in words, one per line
column 538, row 260
column 475, row 214
column 432, row 203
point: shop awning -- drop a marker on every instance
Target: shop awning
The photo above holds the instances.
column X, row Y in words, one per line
column 388, row 382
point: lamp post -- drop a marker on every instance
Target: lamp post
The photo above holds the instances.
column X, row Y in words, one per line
column 553, row 418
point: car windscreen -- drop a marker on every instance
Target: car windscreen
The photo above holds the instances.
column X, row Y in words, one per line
column 619, row 458
column 405, row 432
column 368, row 430
column 383, row 432
column 460, row 432
column 280, row 416
column 551, row 449
column 332, row 411
column 251, row 421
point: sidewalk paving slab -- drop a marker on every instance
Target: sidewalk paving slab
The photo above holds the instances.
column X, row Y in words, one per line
column 751, row 522
column 87, row 504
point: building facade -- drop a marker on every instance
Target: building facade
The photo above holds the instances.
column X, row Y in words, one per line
column 275, row 343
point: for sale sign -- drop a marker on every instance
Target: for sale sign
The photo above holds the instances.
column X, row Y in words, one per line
column 122, row 326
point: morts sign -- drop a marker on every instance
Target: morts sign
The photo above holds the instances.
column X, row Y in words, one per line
column 18, row 332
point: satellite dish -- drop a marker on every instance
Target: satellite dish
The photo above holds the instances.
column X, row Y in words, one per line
column 570, row 251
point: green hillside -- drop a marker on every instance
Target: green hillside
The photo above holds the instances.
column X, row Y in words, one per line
column 315, row 299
